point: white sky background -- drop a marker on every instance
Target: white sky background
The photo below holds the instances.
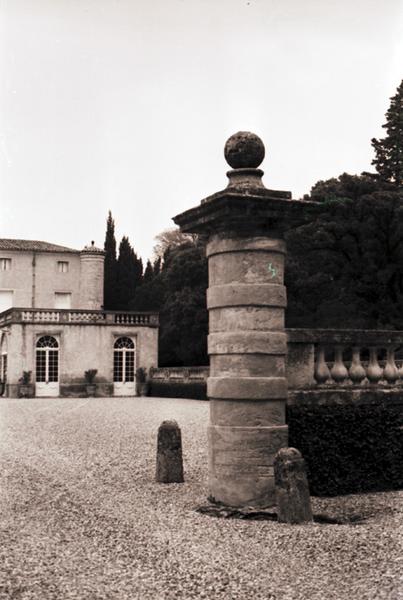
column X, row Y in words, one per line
column 126, row 104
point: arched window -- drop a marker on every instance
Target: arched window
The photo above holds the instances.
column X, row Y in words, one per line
column 124, row 342
column 47, row 341
column 124, row 360
column 47, row 359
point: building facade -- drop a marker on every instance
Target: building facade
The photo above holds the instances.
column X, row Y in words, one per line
column 52, row 323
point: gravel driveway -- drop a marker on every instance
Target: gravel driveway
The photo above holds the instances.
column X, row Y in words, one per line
column 81, row 517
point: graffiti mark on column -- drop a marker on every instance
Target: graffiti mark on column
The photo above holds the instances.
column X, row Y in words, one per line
column 272, row 270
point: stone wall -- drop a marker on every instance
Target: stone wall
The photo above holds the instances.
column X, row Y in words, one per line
column 81, row 347
column 34, row 277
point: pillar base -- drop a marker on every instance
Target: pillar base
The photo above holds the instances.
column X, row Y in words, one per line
column 241, row 464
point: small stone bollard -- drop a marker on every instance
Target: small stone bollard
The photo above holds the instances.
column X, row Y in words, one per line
column 292, row 491
column 169, row 453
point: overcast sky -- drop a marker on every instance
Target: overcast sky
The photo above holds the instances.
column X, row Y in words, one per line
column 126, row 104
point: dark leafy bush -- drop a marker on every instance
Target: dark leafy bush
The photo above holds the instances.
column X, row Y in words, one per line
column 194, row 390
column 349, row 449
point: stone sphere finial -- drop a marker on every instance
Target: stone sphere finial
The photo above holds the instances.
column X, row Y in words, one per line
column 244, row 150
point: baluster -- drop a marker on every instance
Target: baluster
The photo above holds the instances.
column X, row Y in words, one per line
column 356, row 370
column 390, row 373
column 374, row 371
column 338, row 372
column 321, row 371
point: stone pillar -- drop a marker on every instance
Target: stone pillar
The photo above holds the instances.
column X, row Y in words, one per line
column 247, row 385
column 247, row 344
column 92, row 278
column 292, row 490
column 169, row 453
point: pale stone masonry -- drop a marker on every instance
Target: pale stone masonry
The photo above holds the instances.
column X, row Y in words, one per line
column 247, row 342
column 52, row 323
column 37, row 271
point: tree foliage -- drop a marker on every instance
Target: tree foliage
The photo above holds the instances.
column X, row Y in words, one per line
column 129, row 274
column 184, row 319
column 110, row 273
column 347, row 186
column 178, row 292
column 345, row 269
column 389, row 150
column 171, row 238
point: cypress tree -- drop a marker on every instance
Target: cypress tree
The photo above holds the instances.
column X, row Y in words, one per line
column 137, row 270
column 157, row 266
column 149, row 272
column 389, row 150
column 129, row 274
column 125, row 274
column 110, row 273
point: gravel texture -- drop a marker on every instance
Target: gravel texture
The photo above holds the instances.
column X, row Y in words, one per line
column 81, row 517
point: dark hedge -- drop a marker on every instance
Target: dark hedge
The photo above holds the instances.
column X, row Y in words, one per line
column 194, row 390
column 349, row 449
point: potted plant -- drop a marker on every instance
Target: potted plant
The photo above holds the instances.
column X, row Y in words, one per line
column 26, row 389
column 90, row 385
column 142, row 382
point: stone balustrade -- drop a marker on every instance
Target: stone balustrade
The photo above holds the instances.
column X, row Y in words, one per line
column 327, row 359
column 344, row 358
column 180, row 374
column 130, row 318
column 79, row 317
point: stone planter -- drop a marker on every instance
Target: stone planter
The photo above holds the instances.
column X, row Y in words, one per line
column 26, row 390
column 143, row 389
column 91, row 389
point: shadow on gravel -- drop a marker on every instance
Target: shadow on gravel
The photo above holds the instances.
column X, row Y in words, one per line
column 253, row 514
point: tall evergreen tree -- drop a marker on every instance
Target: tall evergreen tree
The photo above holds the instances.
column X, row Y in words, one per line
column 137, row 270
column 125, row 274
column 389, row 150
column 148, row 273
column 157, row 266
column 129, row 274
column 110, row 273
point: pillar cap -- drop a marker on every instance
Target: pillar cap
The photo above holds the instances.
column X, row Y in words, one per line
column 244, row 150
column 246, row 207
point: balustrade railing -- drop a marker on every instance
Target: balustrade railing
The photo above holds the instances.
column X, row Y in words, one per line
column 40, row 316
column 334, row 358
column 71, row 316
column 78, row 316
column 180, row 374
column 135, row 318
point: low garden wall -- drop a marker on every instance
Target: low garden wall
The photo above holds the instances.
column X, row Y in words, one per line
column 179, row 382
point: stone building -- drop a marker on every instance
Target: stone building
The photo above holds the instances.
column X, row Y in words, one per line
column 52, row 323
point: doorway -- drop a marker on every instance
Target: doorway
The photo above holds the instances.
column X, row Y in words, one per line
column 124, row 367
column 47, row 366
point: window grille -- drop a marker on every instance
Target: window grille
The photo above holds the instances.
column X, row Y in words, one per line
column 124, row 342
column 47, row 360
column 47, row 341
column 124, row 360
